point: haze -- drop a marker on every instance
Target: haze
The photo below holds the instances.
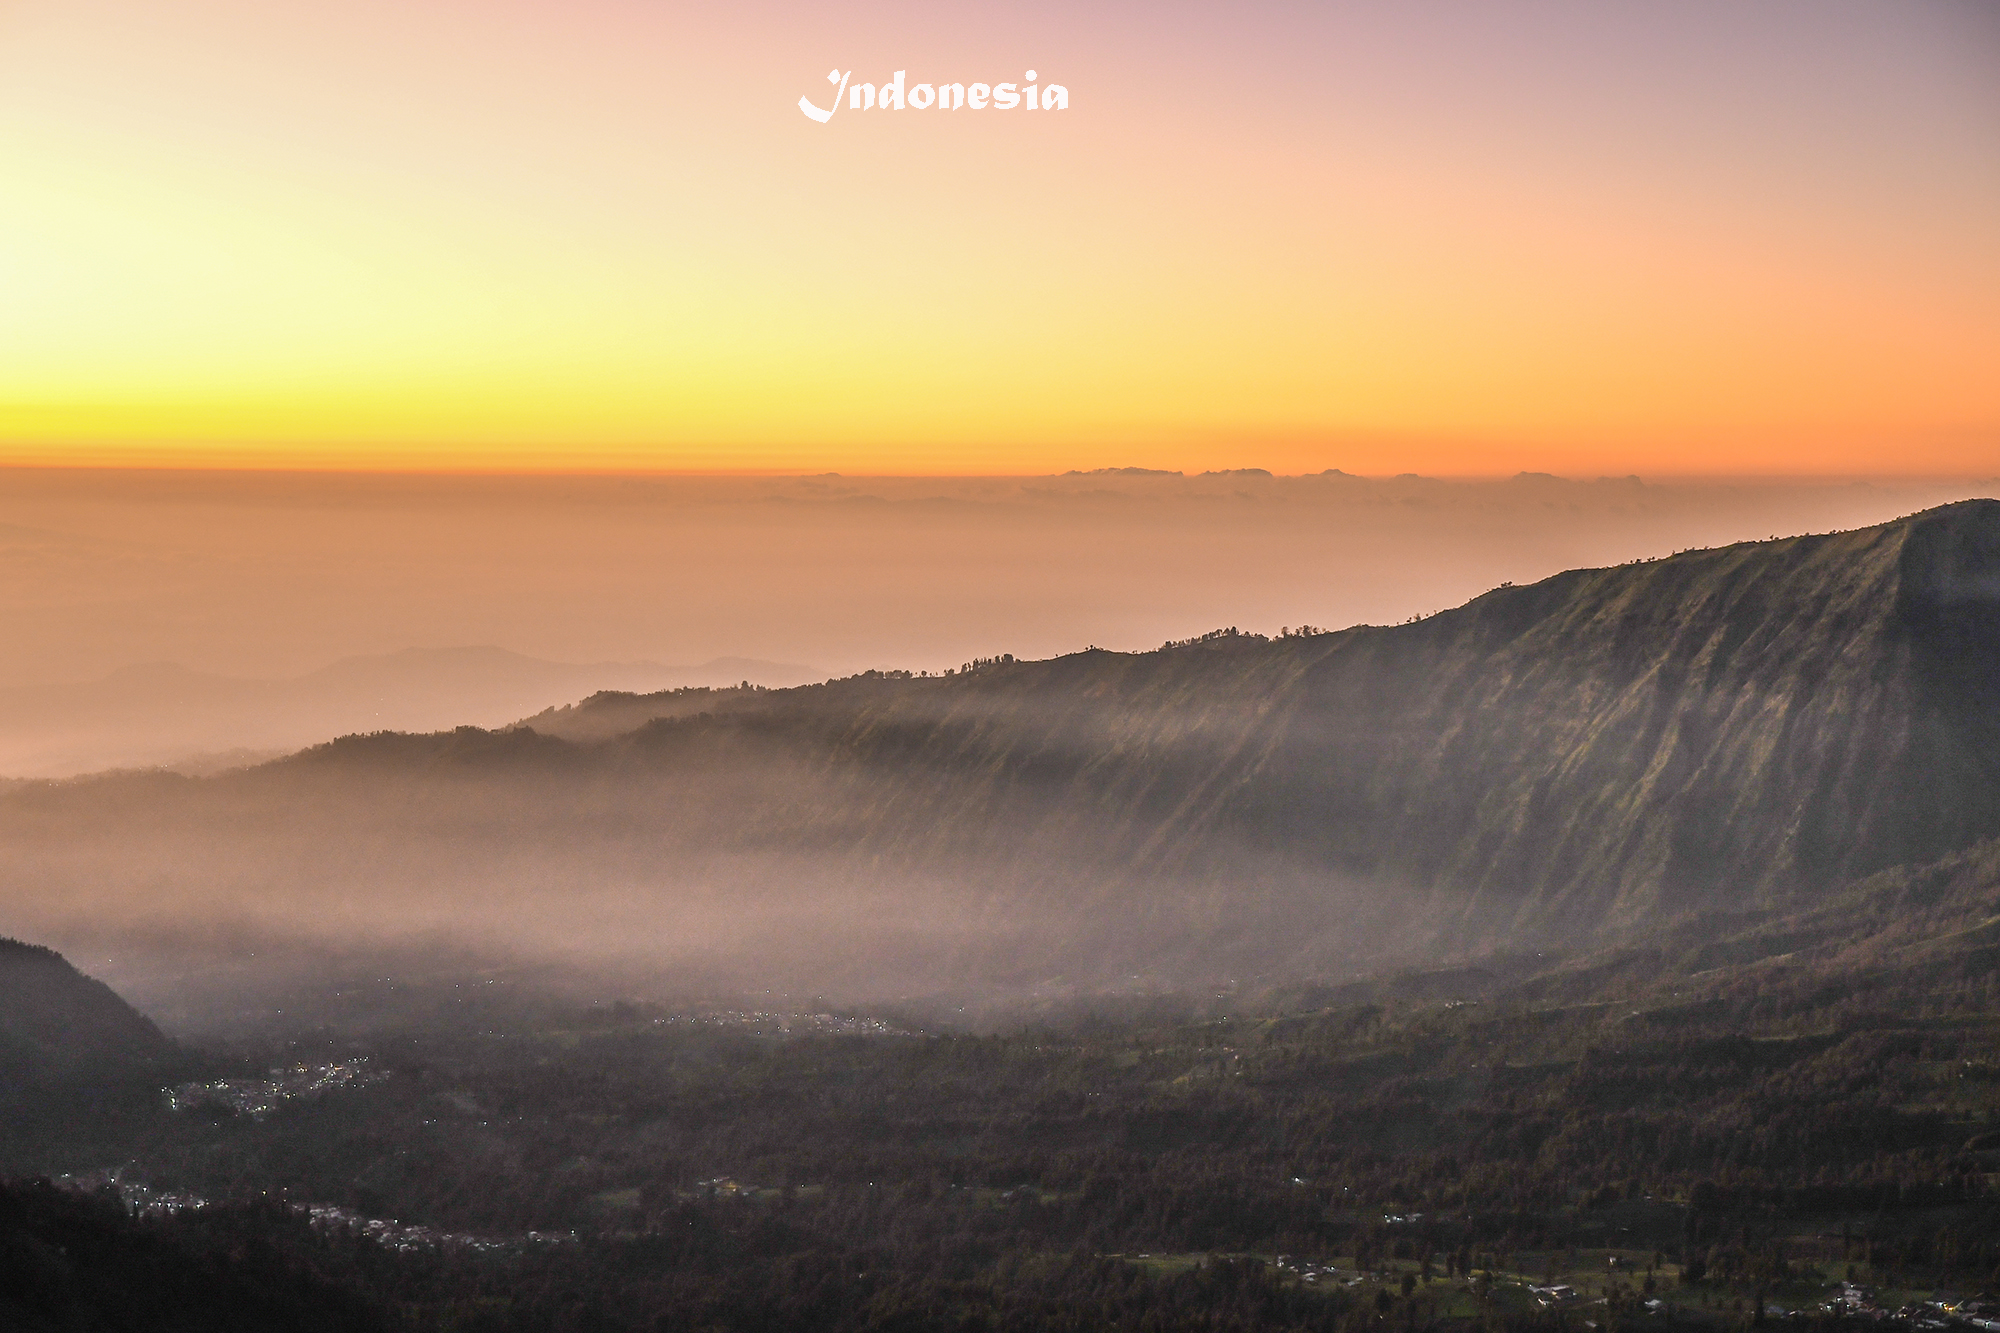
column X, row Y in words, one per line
column 268, row 576
column 773, row 862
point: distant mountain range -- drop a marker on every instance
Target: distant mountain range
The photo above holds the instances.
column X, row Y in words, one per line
column 1750, row 729
column 166, row 714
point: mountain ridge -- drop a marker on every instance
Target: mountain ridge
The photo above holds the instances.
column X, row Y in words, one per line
column 1704, row 689
column 165, row 713
column 1563, row 763
column 57, row 1022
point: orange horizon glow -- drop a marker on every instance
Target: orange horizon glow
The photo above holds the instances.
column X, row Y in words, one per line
column 600, row 237
column 416, row 466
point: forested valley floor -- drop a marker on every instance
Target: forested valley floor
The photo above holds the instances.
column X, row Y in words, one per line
column 1615, row 1145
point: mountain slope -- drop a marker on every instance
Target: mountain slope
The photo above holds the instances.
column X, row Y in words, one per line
column 54, row 1021
column 76, row 1264
column 80, row 1069
column 1606, row 744
column 1750, row 721
column 1726, row 730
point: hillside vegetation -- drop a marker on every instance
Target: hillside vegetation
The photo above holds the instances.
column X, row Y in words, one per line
column 1753, row 728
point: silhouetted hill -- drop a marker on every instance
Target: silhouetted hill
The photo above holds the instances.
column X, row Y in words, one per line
column 54, row 1019
column 610, row 713
column 74, row 1264
column 1609, row 744
column 79, row 1068
column 1604, row 745
column 1749, row 728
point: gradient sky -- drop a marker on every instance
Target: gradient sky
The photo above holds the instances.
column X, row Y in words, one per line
column 1462, row 238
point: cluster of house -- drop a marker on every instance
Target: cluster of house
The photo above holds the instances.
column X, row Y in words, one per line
column 1942, row 1310
column 139, row 1200
column 142, row 1200
column 1316, row 1274
column 394, row 1235
column 258, row 1097
column 1555, row 1295
column 1848, row 1300
column 785, row 1025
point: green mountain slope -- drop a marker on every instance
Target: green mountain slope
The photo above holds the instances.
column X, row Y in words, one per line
column 1730, row 730
column 1604, row 746
column 1718, row 726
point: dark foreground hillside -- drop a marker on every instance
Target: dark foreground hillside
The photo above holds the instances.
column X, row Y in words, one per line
column 1795, row 1114
column 76, row 1061
column 1750, row 728
column 75, row 1264
column 54, row 1020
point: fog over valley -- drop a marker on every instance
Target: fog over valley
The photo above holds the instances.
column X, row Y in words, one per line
column 1579, row 948
column 1347, row 682
column 1551, row 766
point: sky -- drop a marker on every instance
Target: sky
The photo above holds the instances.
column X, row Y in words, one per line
column 1466, row 239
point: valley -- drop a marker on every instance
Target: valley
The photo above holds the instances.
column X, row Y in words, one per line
column 1620, row 951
